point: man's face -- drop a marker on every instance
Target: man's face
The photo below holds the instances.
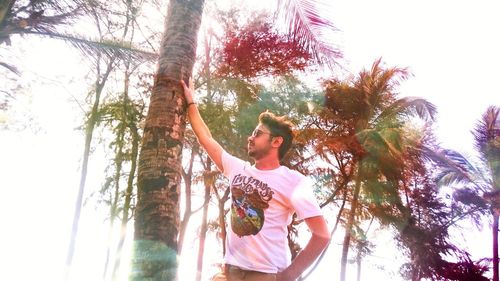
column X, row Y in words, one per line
column 259, row 142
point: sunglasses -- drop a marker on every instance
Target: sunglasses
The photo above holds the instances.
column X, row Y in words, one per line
column 257, row 133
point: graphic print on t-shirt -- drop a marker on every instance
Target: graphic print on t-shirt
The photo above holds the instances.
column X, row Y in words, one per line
column 250, row 198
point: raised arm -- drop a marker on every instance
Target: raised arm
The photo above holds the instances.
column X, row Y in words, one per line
column 200, row 129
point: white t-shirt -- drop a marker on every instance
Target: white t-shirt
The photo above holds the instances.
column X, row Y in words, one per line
column 262, row 205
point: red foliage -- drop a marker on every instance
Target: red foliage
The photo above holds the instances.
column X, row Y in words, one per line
column 257, row 50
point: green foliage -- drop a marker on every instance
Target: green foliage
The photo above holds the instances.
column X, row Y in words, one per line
column 357, row 128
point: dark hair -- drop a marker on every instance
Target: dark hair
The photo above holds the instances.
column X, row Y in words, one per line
column 279, row 127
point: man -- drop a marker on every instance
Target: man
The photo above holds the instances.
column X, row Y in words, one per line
column 264, row 197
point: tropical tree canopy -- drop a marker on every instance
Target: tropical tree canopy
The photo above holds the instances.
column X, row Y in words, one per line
column 375, row 170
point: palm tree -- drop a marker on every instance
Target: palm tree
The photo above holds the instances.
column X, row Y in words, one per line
column 375, row 137
column 159, row 174
column 157, row 211
column 479, row 182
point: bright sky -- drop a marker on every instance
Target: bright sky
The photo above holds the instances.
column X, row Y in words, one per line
column 451, row 47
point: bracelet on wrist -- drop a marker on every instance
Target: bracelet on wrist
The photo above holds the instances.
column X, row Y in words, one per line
column 190, row 103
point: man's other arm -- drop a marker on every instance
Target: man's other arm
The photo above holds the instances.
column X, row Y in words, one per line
column 320, row 237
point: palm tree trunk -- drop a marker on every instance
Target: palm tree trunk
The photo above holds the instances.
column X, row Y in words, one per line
column 495, row 246
column 89, row 130
column 159, row 176
column 348, row 230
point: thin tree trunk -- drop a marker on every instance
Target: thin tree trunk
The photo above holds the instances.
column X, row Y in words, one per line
column 203, row 229
column 358, row 269
column 114, row 199
column 110, row 238
column 187, row 194
column 89, row 130
column 495, row 246
column 359, row 257
column 221, row 216
column 120, row 137
column 350, row 223
column 128, row 200
column 157, row 213
column 187, row 176
column 209, row 183
column 132, row 127
column 415, row 271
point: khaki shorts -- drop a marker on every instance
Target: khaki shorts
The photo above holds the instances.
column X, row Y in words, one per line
column 234, row 273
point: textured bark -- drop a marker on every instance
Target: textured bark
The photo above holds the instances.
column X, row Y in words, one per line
column 159, row 175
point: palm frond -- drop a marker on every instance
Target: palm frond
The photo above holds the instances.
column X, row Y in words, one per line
column 455, row 168
column 380, row 79
column 451, row 176
column 92, row 47
column 42, row 15
column 459, row 159
column 412, row 106
column 46, row 17
column 487, row 133
column 10, row 67
column 307, row 26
